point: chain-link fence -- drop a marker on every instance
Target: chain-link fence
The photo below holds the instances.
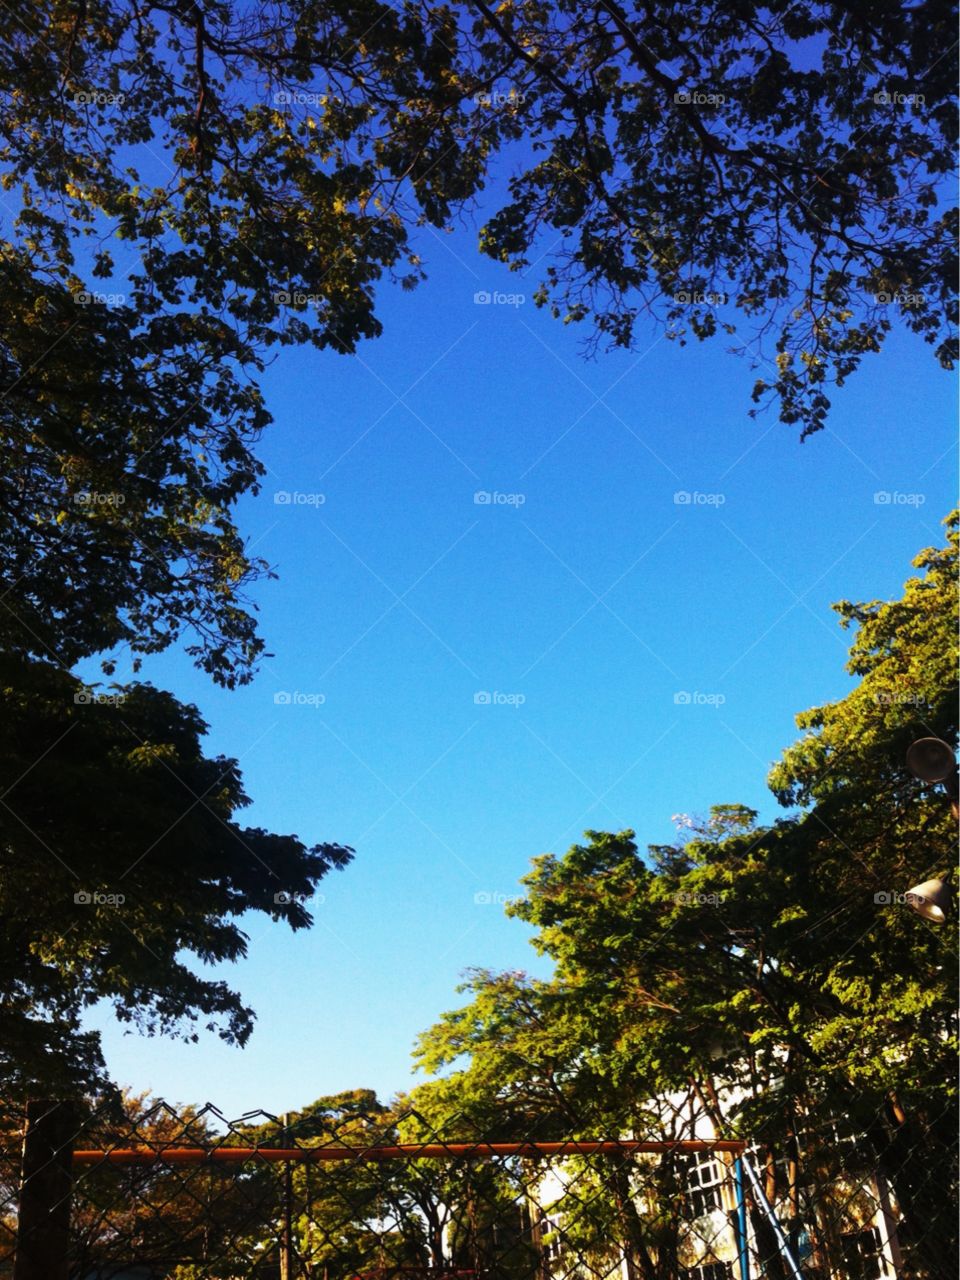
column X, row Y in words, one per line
column 160, row 1193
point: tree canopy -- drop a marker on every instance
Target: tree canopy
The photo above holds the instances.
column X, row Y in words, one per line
column 771, row 962
column 192, row 186
column 125, row 871
column 178, row 210
column 777, row 168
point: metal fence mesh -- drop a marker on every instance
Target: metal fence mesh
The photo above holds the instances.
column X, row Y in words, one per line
column 168, row 1194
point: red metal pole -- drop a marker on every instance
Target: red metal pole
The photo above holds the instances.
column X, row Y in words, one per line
column 398, row 1151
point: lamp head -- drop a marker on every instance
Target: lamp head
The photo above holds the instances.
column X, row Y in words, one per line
column 931, row 759
column 930, row 900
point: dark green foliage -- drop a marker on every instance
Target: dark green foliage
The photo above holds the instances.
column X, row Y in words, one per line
column 771, row 965
column 780, row 165
column 124, row 871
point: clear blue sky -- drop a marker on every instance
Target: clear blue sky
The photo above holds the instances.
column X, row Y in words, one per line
column 596, row 600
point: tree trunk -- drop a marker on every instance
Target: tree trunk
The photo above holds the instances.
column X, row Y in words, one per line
column 639, row 1264
column 770, row 1257
column 534, row 1218
column 46, row 1184
column 920, row 1177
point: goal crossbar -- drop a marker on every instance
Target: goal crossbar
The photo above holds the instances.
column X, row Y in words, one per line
column 398, row 1151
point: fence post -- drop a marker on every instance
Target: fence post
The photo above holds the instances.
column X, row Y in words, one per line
column 46, row 1181
column 286, row 1230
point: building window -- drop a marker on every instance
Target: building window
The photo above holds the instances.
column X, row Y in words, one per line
column 709, row 1271
column 703, row 1176
column 862, row 1254
column 551, row 1240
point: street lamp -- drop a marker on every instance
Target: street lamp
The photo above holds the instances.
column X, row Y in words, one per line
column 930, row 900
column 932, row 760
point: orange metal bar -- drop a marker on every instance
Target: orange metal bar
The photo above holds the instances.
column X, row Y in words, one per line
column 401, row 1151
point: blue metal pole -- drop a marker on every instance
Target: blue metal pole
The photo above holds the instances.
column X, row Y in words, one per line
column 765, row 1205
column 741, row 1220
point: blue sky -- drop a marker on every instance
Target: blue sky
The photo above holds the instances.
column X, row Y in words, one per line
column 583, row 600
